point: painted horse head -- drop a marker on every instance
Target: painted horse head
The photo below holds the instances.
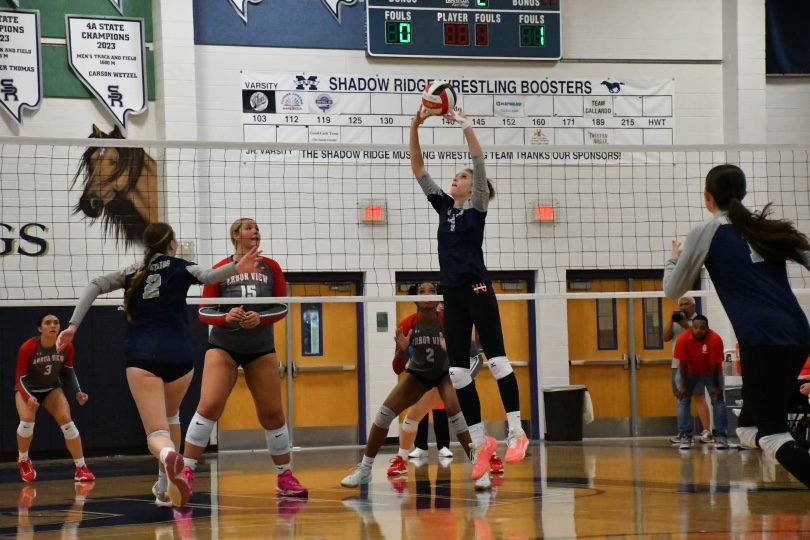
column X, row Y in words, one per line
column 120, row 188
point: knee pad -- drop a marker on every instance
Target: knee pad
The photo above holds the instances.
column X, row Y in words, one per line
column 460, row 377
column 458, row 423
column 174, row 420
column 747, row 436
column 69, row 431
column 410, row 426
column 278, row 440
column 158, row 433
column 385, row 417
column 770, row 444
column 199, row 430
column 25, row 430
column 499, row 367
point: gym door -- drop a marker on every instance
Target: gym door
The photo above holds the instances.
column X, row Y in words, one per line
column 616, row 349
column 516, row 334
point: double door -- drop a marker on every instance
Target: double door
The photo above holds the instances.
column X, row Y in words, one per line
column 617, row 349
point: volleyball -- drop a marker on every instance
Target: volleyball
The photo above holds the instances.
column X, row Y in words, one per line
column 439, row 98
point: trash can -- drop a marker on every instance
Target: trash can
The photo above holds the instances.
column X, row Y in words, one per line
column 564, row 407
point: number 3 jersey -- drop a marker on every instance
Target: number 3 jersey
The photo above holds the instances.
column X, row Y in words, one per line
column 266, row 282
column 41, row 369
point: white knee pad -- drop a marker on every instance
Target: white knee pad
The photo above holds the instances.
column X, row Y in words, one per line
column 158, row 433
column 385, row 417
column 69, row 431
column 25, row 429
column 278, row 440
column 770, row 444
column 460, row 377
column 174, row 420
column 747, row 436
column 458, row 423
column 411, row 426
column 499, row 367
column 199, row 430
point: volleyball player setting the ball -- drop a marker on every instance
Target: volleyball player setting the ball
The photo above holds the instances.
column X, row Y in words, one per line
column 429, row 368
column 745, row 254
column 42, row 372
column 468, row 295
column 243, row 337
column 159, row 351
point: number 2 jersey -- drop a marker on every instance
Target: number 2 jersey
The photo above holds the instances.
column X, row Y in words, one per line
column 41, row 369
column 158, row 330
column 266, row 282
column 429, row 359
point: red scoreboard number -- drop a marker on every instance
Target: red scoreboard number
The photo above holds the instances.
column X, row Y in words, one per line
column 459, row 34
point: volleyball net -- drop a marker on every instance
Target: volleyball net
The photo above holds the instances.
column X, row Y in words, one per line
column 74, row 209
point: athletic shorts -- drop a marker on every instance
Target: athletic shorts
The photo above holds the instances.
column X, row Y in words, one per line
column 242, row 359
column 40, row 395
column 164, row 370
column 427, row 381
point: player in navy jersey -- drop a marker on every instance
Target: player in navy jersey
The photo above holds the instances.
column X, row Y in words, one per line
column 429, row 368
column 242, row 336
column 745, row 254
column 468, row 295
column 159, row 351
column 42, row 373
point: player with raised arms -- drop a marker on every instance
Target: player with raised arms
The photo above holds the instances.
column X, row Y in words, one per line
column 242, row 336
column 429, row 368
column 159, row 351
column 42, row 373
column 745, row 254
column 468, row 295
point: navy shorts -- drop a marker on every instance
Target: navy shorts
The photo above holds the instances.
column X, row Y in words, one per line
column 166, row 371
column 427, row 381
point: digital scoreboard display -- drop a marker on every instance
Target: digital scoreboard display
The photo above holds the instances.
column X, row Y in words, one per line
column 482, row 29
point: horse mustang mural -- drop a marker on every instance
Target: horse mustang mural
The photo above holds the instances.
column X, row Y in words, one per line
column 120, row 189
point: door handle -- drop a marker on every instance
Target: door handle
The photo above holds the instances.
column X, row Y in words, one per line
column 597, row 362
column 298, row 369
column 638, row 361
column 518, row 363
column 282, row 369
column 626, row 361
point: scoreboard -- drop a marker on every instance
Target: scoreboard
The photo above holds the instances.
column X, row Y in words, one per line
column 476, row 29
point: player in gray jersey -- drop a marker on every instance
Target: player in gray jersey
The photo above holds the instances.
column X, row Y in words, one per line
column 42, row 373
column 429, row 368
column 242, row 336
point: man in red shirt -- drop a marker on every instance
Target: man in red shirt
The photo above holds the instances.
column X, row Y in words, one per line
column 700, row 356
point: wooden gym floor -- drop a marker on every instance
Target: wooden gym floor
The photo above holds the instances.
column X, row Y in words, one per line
column 598, row 489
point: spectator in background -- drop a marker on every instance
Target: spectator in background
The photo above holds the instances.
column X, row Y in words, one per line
column 700, row 356
column 682, row 320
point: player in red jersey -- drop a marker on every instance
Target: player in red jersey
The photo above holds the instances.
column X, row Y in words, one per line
column 42, row 372
column 242, row 336
column 428, row 369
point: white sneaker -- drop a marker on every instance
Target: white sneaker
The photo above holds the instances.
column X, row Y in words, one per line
column 418, row 453
column 706, row 436
column 161, row 499
column 361, row 475
column 483, row 483
column 445, row 453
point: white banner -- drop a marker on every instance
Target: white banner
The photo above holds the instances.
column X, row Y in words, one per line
column 377, row 109
column 107, row 54
column 20, row 62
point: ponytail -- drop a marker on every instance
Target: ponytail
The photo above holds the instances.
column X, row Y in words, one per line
column 156, row 239
column 139, row 276
column 773, row 239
